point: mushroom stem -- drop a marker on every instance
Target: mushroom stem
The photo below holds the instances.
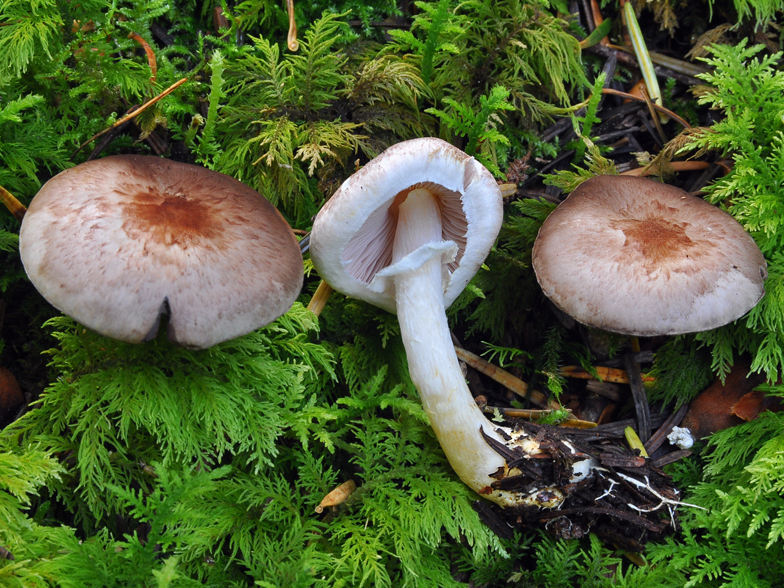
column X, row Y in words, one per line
column 453, row 413
column 320, row 297
column 291, row 40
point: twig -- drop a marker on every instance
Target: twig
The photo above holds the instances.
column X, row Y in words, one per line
column 489, row 517
column 640, row 398
column 150, row 54
column 657, row 439
column 632, row 518
column 678, row 66
column 5, row 554
column 629, row 61
column 500, row 448
column 671, row 457
column 661, row 109
column 131, row 115
column 12, row 204
column 109, row 137
column 503, row 377
column 304, row 243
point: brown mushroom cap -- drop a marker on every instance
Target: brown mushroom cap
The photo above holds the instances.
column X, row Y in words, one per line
column 116, row 242
column 634, row 256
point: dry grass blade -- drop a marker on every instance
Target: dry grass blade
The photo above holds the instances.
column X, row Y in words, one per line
column 528, row 414
column 650, row 170
column 291, row 40
column 606, row 374
column 641, row 52
column 320, row 297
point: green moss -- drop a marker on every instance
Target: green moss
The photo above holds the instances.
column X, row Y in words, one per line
column 159, row 466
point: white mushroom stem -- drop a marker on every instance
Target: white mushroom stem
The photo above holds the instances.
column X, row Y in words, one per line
column 432, row 260
column 432, row 362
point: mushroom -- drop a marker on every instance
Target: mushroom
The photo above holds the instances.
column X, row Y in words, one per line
column 406, row 233
column 117, row 242
column 637, row 257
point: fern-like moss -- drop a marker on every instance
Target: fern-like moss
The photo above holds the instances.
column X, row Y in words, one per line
column 737, row 540
column 681, row 370
column 305, row 112
column 115, row 405
column 748, row 91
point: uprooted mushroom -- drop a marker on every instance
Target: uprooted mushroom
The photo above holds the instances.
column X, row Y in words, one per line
column 406, row 233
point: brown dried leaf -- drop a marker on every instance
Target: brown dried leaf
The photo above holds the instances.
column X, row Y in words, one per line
column 752, row 404
column 708, row 38
column 713, row 409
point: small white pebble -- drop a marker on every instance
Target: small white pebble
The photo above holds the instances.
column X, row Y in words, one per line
column 681, row 437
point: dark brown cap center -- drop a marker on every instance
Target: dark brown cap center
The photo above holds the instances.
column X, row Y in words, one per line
column 170, row 218
column 656, row 243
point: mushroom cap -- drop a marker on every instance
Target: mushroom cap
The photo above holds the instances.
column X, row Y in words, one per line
column 118, row 241
column 352, row 235
column 634, row 256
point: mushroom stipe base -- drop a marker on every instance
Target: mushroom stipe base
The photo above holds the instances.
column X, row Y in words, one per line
column 619, row 501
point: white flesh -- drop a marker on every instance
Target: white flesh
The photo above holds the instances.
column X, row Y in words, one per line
column 434, row 368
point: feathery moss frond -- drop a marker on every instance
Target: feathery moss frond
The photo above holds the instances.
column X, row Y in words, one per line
column 27, row 28
column 478, row 127
column 742, row 490
column 8, row 241
column 311, row 107
column 238, row 398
